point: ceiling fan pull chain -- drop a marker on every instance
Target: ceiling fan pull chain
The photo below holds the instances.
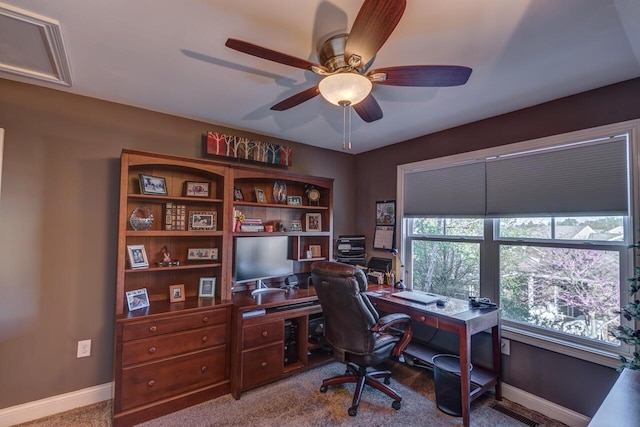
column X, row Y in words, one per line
column 349, row 107
column 344, row 127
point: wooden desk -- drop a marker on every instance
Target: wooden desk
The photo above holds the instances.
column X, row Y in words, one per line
column 621, row 407
column 455, row 317
column 258, row 350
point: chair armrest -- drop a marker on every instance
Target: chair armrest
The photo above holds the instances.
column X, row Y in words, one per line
column 395, row 319
column 390, row 320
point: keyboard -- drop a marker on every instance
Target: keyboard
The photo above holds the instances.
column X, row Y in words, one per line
column 416, row 296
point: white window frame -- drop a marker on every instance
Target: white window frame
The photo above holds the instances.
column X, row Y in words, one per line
column 534, row 336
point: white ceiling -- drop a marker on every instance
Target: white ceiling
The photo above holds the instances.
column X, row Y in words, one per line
column 169, row 56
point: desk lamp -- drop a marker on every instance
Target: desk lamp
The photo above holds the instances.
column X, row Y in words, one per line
column 400, row 283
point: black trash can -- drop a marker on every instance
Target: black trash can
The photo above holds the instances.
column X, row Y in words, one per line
column 446, row 376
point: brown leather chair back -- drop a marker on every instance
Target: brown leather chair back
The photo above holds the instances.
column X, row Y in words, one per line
column 348, row 313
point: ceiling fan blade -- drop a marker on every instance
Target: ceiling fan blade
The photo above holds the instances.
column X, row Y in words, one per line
column 372, row 27
column 271, row 55
column 422, row 75
column 369, row 110
column 297, row 99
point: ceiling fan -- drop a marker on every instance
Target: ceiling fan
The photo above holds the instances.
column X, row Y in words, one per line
column 346, row 59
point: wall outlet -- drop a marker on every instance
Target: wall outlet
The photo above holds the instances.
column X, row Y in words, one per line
column 84, row 348
column 505, row 346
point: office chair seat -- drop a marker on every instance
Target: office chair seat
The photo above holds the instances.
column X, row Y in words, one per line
column 360, row 338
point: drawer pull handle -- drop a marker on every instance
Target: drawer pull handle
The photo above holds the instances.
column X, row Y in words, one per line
column 205, row 319
column 205, row 339
column 203, row 369
column 422, row 318
column 153, row 328
column 152, row 350
column 265, row 333
column 263, row 364
column 151, row 383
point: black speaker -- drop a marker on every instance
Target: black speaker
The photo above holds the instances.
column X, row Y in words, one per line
column 291, row 281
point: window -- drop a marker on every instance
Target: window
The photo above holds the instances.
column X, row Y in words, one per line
column 545, row 233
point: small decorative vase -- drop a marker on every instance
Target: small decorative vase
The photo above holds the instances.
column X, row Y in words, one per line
column 141, row 219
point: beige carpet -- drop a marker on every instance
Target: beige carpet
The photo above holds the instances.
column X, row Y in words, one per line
column 297, row 402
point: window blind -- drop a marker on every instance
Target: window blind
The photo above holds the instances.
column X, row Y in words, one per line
column 454, row 191
column 574, row 180
column 586, row 179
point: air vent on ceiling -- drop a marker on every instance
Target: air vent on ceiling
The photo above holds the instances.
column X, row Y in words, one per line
column 32, row 46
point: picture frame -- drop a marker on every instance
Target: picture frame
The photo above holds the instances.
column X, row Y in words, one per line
column 137, row 256
column 260, row 197
column 316, row 251
column 386, row 212
column 313, row 222
column 295, row 225
column 196, row 189
column 137, row 299
column 237, row 194
column 294, row 200
column 203, row 221
column 154, row 185
column 207, row 287
column 176, row 293
column 202, row 254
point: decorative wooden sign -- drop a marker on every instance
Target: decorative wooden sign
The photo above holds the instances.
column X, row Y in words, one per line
column 219, row 144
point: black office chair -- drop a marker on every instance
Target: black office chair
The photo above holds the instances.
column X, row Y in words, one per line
column 352, row 326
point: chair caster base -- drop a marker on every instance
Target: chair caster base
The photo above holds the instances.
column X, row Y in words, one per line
column 353, row 411
column 396, row 405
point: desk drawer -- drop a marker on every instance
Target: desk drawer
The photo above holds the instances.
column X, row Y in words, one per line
column 172, row 344
column 416, row 315
column 262, row 364
column 173, row 323
column 425, row 319
column 263, row 333
column 154, row 381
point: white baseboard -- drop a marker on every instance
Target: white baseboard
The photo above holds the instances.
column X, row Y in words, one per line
column 53, row 405
column 550, row 409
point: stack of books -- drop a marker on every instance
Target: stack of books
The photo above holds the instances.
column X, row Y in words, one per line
column 252, row 224
column 175, row 217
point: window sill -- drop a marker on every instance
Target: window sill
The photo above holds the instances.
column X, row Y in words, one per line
column 589, row 354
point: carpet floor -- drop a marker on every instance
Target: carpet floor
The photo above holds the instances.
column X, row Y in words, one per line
column 298, row 402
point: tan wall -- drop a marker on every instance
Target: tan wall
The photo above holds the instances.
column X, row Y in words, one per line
column 569, row 382
column 58, row 227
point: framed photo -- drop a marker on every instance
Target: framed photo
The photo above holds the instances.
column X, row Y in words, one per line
column 315, row 251
column 260, row 197
column 196, row 189
column 207, row 287
column 314, row 222
column 202, row 254
column 294, row 200
column 176, row 293
column 295, row 225
column 155, row 185
column 386, row 212
column 137, row 256
column 205, row 220
column 137, row 299
column 237, row 194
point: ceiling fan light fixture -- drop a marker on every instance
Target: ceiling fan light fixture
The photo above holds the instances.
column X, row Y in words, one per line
column 345, row 88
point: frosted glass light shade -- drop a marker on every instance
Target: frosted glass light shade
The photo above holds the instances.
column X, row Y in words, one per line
column 351, row 87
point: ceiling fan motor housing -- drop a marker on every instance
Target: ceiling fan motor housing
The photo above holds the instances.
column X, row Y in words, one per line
column 331, row 55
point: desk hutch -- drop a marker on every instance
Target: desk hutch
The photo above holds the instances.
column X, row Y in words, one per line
column 171, row 355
